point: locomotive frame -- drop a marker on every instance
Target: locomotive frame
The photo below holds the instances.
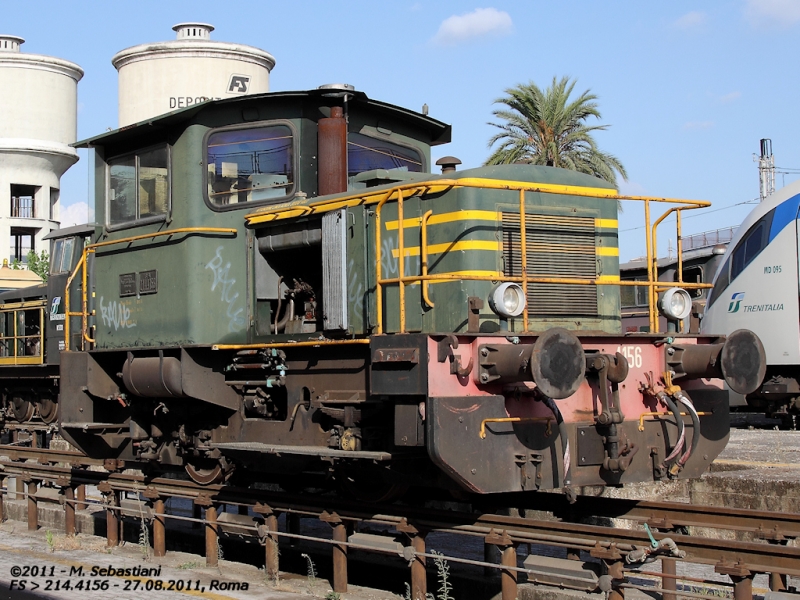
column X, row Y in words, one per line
column 315, row 339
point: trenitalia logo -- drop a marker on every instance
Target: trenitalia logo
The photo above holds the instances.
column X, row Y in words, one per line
column 736, row 299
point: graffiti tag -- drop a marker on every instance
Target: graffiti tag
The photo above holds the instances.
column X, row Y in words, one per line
column 116, row 314
column 225, row 283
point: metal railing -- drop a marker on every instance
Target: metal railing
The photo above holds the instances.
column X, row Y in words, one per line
column 707, row 239
column 22, row 207
column 402, row 192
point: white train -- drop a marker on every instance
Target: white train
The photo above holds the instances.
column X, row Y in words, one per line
column 756, row 288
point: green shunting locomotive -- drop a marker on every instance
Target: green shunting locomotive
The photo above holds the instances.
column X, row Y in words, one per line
column 278, row 287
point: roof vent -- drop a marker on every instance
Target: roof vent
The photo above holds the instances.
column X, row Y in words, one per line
column 193, row 31
column 448, row 163
column 10, row 43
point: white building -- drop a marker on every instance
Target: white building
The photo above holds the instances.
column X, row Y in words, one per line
column 161, row 77
column 38, row 121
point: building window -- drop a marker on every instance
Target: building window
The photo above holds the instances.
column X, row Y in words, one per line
column 22, row 201
column 54, row 195
column 22, row 242
column 139, row 186
column 250, row 165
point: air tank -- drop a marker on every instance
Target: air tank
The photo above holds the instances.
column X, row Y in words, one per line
column 158, row 78
column 38, row 121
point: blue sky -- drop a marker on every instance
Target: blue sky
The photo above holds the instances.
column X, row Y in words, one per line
column 688, row 89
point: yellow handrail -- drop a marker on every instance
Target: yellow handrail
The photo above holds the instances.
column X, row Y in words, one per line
column 399, row 194
column 523, row 244
column 547, row 431
column 82, row 265
column 644, row 415
column 402, row 260
column 423, row 252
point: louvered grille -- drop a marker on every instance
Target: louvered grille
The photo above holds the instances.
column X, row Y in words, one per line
column 557, row 247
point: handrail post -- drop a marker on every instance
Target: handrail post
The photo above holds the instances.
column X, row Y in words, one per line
column 401, row 261
column 378, row 273
column 650, row 280
column 84, row 305
column 523, row 242
column 67, row 312
column 423, row 251
column 680, row 244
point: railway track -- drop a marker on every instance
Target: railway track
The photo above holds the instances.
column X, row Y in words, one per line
column 766, row 552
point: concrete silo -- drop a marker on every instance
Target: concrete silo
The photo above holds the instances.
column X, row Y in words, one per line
column 161, row 77
column 38, row 121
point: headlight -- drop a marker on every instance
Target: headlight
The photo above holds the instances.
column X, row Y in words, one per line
column 507, row 300
column 675, row 304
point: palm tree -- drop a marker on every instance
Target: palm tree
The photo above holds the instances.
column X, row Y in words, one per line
column 546, row 128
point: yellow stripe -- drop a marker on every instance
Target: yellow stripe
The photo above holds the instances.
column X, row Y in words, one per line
column 605, row 251
column 608, row 278
column 606, row 223
column 462, row 215
column 452, row 247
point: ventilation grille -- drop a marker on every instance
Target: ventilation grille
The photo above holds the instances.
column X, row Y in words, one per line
column 557, row 247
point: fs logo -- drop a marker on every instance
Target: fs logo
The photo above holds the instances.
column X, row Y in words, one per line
column 55, row 305
column 239, row 84
column 736, row 299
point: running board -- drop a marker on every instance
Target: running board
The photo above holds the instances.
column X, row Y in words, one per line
column 300, row 451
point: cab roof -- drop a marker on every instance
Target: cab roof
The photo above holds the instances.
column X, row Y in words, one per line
column 439, row 132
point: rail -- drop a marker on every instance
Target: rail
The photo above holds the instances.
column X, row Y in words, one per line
column 401, row 193
column 740, row 559
column 82, row 266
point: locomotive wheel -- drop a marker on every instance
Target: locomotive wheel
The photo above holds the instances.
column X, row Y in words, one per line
column 21, row 408
column 207, row 471
column 48, row 410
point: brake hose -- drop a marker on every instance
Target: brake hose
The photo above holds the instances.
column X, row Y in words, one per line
column 562, row 433
column 684, row 399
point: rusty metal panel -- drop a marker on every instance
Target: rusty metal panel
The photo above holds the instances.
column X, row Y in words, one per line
column 512, row 456
column 591, row 450
column 396, row 355
column 408, row 425
column 401, row 368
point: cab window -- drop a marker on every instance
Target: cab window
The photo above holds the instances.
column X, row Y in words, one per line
column 693, row 274
column 366, row 153
column 250, row 165
column 139, row 186
column 61, row 259
column 748, row 248
column 633, row 295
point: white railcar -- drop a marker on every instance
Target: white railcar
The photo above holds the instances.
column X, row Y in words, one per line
column 756, row 288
